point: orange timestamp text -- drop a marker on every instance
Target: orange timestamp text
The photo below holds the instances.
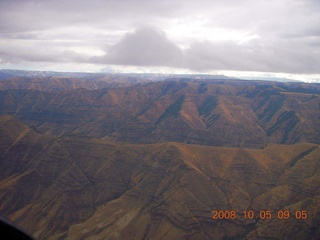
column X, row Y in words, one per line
column 263, row 214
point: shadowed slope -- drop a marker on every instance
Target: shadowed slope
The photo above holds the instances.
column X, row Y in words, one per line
column 82, row 188
column 225, row 113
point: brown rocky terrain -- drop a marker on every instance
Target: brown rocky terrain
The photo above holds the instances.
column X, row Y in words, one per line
column 213, row 112
column 96, row 156
column 64, row 83
column 85, row 188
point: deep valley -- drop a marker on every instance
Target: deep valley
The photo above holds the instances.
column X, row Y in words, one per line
column 100, row 157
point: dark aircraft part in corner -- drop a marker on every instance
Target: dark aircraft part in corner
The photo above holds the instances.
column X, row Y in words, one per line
column 9, row 231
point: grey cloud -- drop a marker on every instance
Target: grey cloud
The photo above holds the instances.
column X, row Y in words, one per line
column 287, row 31
column 205, row 56
column 148, row 47
column 24, row 16
column 27, row 15
column 143, row 47
column 42, row 56
column 277, row 56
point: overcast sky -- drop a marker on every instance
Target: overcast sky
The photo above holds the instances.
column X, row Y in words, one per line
column 209, row 36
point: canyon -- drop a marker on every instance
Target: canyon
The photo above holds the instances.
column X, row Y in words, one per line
column 96, row 157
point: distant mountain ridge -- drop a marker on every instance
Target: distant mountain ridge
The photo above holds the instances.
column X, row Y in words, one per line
column 206, row 112
column 10, row 73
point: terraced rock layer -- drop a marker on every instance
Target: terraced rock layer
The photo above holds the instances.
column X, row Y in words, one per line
column 72, row 187
column 204, row 112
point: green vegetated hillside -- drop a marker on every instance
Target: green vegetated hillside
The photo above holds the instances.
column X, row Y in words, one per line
column 113, row 163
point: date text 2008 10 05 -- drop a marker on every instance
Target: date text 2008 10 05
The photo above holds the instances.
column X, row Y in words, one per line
column 263, row 214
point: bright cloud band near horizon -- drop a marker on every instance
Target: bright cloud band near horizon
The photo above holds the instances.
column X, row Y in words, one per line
column 279, row 37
